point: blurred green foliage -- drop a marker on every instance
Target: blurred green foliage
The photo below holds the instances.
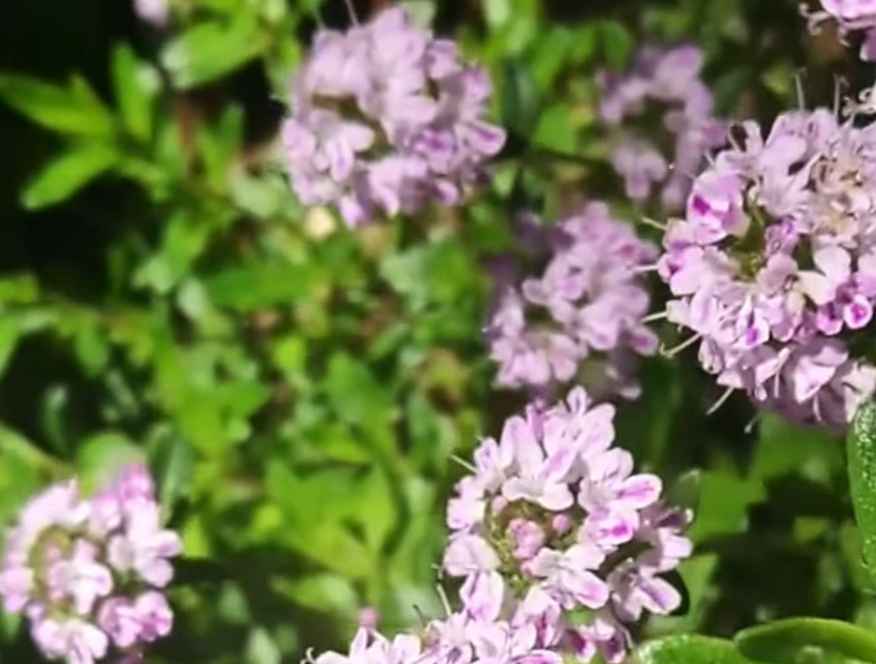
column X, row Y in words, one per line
column 301, row 389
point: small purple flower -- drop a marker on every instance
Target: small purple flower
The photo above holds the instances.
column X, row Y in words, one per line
column 527, row 536
column 569, row 576
column 79, row 641
column 641, row 165
column 144, row 547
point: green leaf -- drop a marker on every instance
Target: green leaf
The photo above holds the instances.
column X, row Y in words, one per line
column 102, row 456
column 356, row 394
column 10, row 333
column 323, row 592
column 67, row 174
column 686, row 490
column 781, row 642
column 173, row 461
column 784, row 448
column 218, row 144
column 555, row 129
column 19, row 289
column 255, row 285
column 184, row 239
column 92, row 347
column 14, row 444
column 617, row 43
column 519, row 101
column 550, row 56
column 434, row 273
column 724, row 502
column 74, row 109
column 212, row 49
column 18, row 481
column 324, row 517
column 861, row 449
column 54, row 417
column 261, row 649
column 136, row 85
column 689, row 649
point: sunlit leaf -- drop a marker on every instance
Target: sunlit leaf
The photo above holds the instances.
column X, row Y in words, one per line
column 66, row 174
column 781, row 642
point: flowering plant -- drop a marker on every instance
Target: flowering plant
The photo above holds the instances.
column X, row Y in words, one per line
column 419, row 332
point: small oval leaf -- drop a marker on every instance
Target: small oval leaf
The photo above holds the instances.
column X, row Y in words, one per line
column 67, row 174
column 689, row 649
column 782, row 641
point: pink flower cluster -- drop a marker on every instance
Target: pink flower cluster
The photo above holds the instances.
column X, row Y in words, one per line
column 774, row 265
column 585, row 308
column 850, row 16
column 551, row 520
column 386, row 118
column 87, row 573
column 666, row 81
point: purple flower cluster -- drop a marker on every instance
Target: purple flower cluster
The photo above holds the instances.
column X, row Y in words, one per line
column 666, row 80
column 386, row 118
column 88, row 572
column 774, row 265
column 551, row 520
column 850, row 16
column 584, row 312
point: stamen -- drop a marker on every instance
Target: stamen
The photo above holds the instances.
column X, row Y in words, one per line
column 465, row 464
column 651, row 222
column 444, row 601
column 420, row 616
column 317, row 15
column 852, row 387
column 754, row 420
column 721, row 401
column 672, row 352
column 351, row 9
column 653, row 318
column 839, row 84
column 644, row 269
column 798, row 82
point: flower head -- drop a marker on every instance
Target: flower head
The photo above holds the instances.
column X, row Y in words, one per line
column 385, row 118
column 667, row 81
column 583, row 313
column 772, row 266
column 564, row 523
column 87, row 572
